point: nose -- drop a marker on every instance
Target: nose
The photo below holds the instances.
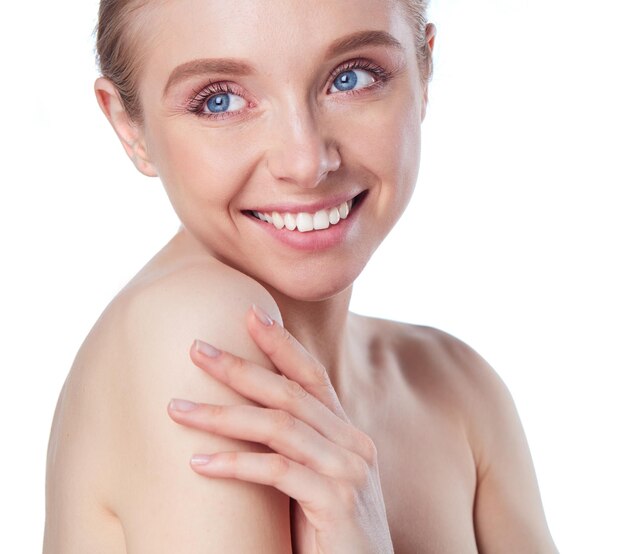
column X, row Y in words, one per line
column 300, row 153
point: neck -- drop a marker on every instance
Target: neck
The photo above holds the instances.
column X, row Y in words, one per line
column 321, row 327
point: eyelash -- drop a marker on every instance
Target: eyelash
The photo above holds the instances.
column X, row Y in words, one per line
column 199, row 97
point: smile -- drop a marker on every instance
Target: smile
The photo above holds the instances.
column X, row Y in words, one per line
column 305, row 222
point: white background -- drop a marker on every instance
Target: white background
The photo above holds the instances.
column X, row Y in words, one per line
column 514, row 240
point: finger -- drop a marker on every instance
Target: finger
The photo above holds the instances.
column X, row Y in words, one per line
column 292, row 359
column 316, row 493
column 277, row 429
column 277, row 391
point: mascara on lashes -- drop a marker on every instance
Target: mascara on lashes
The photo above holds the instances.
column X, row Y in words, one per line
column 198, row 98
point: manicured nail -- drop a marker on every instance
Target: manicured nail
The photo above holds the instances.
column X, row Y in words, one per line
column 262, row 316
column 206, row 349
column 200, row 459
column 182, row 405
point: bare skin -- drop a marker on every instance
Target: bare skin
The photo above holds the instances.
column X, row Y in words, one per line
column 453, row 462
column 427, row 403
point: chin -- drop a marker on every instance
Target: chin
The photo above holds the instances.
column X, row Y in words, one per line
column 312, row 286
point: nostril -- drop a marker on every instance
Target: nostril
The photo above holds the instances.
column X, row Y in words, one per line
column 297, row 164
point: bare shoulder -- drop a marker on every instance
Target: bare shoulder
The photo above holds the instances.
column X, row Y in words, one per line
column 428, row 355
column 508, row 511
column 135, row 359
column 206, row 296
column 445, row 366
column 79, row 470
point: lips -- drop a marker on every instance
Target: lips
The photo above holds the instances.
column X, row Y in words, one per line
column 308, row 218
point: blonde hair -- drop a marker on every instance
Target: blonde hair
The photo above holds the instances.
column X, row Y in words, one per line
column 416, row 11
column 120, row 52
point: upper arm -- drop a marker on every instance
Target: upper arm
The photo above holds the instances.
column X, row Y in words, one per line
column 508, row 513
column 164, row 506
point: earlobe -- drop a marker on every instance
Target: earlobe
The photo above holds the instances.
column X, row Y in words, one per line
column 129, row 133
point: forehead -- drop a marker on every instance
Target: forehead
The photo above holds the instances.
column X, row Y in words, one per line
column 266, row 32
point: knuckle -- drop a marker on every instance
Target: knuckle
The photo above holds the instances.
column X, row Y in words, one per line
column 229, row 458
column 320, row 374
column 285, row 336
column 278, row 467
column 360, row 472
column 283, row 340
column 237, row 364
column 214, row 410
column 294, row 390
column 283, row 420
column 233, row 368
column 367, row 448
column 347, row 498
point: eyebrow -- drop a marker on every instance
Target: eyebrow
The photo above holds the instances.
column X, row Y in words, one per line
column 237, row 67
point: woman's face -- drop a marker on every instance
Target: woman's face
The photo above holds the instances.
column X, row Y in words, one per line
column 306, row 111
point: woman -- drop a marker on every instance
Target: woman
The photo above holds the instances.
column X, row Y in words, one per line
column 287, row 136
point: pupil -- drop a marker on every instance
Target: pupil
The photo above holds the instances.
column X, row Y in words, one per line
column 219, row 103
column 346, row 80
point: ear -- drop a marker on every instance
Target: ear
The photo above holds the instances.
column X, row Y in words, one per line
column 431, row 31
column 129, row 133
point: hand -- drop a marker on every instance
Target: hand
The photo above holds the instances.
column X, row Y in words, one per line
column 324, row 463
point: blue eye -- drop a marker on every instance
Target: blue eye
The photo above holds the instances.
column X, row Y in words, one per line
column 219, row 103
column 221, row 100
column 348, row 80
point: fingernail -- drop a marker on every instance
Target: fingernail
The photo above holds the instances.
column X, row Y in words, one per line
column 206, row 349
column 182, row 405
column 262, row 316
column 200, row 459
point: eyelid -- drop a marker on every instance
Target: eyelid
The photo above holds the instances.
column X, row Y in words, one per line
column 221, row 86
column 381, row 75
column 198, row 97
column 358, row 63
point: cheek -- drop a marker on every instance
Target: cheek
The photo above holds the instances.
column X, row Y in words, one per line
column 385, row 139
column 200, row 169
column 203, row 169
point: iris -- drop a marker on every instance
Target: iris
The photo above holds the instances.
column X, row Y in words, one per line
column 346, row 80
column 219, row 103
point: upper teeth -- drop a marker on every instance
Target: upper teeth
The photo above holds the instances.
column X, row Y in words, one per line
column 303, row 221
